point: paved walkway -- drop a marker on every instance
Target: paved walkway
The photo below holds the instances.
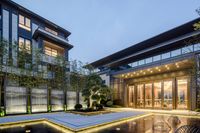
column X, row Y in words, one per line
column 74, row 121
column 173, row 112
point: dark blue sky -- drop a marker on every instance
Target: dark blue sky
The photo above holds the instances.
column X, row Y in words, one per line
column 102, row 27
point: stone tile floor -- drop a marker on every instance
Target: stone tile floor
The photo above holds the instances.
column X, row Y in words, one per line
column 73, row 121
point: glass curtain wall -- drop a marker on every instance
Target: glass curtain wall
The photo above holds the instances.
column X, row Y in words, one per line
column 148, row 95
column 140, row 95
column 131, row 96
column 39, row 100
column 158, row 94
column 182, row 94
column 15, row 100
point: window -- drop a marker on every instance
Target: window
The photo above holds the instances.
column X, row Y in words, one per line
column 51, row 52
column 166, row 55
column 187, row 49
column 24, row 23
column 141, row 62
column 156, row 58
column 176, row 52
column 149, row 60
column 51, row 31
column 134, row 64
column 24, row 44
column 197, row 47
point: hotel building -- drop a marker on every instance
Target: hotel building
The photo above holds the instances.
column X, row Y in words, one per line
column 159, row 73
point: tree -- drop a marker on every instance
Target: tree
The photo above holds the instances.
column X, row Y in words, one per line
column 95, row 90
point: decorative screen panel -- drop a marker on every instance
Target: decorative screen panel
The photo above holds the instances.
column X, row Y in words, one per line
column 71, row 99
column 15, row 100
column 57, row 100
column 39, row 100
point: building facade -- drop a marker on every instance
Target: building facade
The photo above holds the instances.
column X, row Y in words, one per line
column 35, row 49
column 159, row 73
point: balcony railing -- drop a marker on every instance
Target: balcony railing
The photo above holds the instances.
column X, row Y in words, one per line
column 54, row 60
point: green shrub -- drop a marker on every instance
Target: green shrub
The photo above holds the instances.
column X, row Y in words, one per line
column 29, row 109
column 78, row 107
column 49, row 108
column 197, row 110
column 2, row 112
column 99, row 106
column 109, row 103
column 103, row 102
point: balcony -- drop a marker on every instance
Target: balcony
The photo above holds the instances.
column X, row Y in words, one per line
column 51, row 37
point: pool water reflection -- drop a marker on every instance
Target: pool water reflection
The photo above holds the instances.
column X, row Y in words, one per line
column 36, row 128
column 153, row 124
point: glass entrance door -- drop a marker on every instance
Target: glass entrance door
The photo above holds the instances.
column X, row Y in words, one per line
column 157, row 94
column 182, row 93
column 140, row 95
column 168, row 102
column 131, row 96
column 148, row 95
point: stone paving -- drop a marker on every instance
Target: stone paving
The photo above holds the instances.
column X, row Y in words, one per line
column 74, row 121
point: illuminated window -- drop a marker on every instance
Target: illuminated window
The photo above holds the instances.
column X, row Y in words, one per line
column 24, row 23
column 51, row 31
column 24, row 44
column 51, row 52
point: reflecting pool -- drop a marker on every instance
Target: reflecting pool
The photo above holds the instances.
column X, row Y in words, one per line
column 153, row 124
column 36, row 128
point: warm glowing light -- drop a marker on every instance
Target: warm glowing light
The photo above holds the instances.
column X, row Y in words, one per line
column 168, row 68
column 177, row 66
column 159, row 70
column 156, row 67
column 128, row 74
column 141, row 71
column 144, row 73
column 148, row 69
column 151, row 71
column 122, row 75
column 166, row 65
column 134, row 73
